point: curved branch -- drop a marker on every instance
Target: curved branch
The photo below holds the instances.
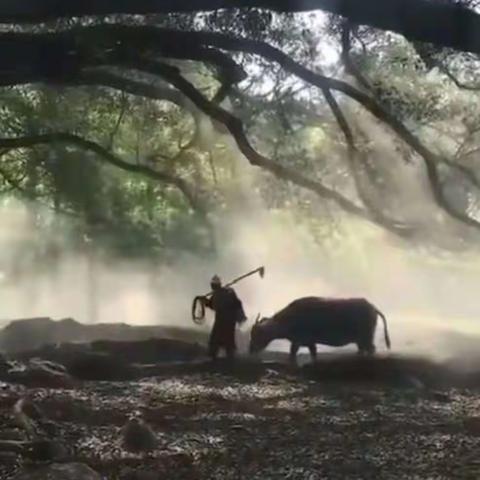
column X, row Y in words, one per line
column 470, row 175
column 69, row 138
column 235, row 127
column 354, row 156
column 463, row 86
column 134, row 87
column 353, row 70
column 445, row 24
column 15, row 184
column 350, row 66
column 265, row 50
column 62, row 55
column 116, row 127
column 152, row 37
column 427, row 55
column 190, row 39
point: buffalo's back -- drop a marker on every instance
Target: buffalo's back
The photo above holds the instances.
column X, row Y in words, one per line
column 329, row 321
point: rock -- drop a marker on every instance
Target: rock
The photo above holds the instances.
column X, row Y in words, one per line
column 40, row 450
column 66, row 471
column 23, row 419
column 59, row 354
column 28, row 335
column 13, row 446
column 39, row 374
column 140, row 475
column 54, row 367
column 31, row 419
column 4, row 366
column 410, row 381
column 8, row 458
column 138, row 437
column 14, row 434
column 46, row 451
column 25, row 334
column 441, row 397
column 25, row 406
column 472, row 425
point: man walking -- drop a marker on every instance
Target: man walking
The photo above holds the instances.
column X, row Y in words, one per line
column 229, row 311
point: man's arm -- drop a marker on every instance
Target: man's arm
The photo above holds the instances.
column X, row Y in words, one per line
column 208, row 302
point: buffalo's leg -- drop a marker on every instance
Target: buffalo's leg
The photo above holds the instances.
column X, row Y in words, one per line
column 293, row 353
column 313, row 352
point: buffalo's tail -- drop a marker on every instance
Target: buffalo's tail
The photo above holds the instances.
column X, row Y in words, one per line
column 385, row 328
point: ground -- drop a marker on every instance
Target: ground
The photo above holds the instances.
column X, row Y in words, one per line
column 268, row 424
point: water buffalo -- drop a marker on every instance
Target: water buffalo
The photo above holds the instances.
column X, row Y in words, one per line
column 311, row 320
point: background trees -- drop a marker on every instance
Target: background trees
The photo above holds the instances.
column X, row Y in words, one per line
column 136, row 118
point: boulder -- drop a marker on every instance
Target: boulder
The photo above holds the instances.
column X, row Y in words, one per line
column 40, row 374
column 5, row 366
column 46, row 450
column 139, row 475
column 31, row 334
column 138, row 437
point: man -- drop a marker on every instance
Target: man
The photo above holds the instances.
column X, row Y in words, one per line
column 228, row 312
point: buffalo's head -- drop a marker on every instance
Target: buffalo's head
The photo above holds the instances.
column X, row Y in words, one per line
column 259, row 336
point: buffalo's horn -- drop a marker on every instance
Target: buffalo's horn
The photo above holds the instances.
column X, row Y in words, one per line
column 257, row 319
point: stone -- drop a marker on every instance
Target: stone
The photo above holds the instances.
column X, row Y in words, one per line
column 138, row 437
column 40, row 374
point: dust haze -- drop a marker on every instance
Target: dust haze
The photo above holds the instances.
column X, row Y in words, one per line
column 431, row 303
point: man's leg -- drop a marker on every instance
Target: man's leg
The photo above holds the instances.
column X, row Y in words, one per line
column 229, row 339
column 230, row 351
column 213, row 341
column 213, row 349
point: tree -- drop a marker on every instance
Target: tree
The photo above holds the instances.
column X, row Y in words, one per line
column 152, row 57
column 446, row 23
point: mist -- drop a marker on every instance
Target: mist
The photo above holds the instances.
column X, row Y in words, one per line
column 430, row 303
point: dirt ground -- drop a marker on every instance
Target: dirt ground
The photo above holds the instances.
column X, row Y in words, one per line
column 268, row 423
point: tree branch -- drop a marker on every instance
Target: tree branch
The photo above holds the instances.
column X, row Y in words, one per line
column 350, row 66
column 463, row 86
column 116, row 127
column 72, row 57
column 265, row 50
column 15, row 184
column 441, row 23
column 353, row 156
column 156, row 36
column 62, row 55
column 235, row 127
column 427, row 55
column 134, row 87
column 69, row 138
column 353, row 70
